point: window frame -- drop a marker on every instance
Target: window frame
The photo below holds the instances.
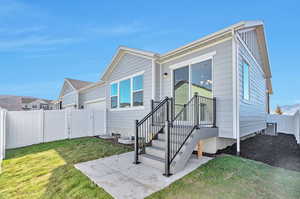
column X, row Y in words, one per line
column 135, row 91
column 117, row 95
column 118, row 108
column 244, row 62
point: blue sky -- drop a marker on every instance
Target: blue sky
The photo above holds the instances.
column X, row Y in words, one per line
column 41, row 42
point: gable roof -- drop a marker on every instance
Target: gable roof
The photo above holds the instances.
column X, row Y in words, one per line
column 91, row 86
column 78, row 84
column 74, row 84
column 120, row 52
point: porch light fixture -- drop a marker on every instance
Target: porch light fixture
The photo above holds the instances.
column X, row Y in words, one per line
column 165, row 75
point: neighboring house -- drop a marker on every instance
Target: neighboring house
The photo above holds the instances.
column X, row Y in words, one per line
column 38, row 104
column 93, row 96
column 231, row 65
column 69, row 95
column 20, row 103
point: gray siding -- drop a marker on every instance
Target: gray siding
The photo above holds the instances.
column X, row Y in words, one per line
column 67, row 88
column 252, row 112
column 122, row 121
column 70, row 98
column 250, row 38
column 222, row 83
column 92, row 94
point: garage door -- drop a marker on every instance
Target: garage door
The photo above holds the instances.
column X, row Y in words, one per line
column 100, row 105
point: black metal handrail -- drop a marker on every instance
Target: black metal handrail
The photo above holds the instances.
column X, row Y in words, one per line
column 147, row 128
column 193, row 115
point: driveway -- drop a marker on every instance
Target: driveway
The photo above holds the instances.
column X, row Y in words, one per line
column 279, row 151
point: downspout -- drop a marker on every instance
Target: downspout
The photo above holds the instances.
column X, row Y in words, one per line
column 236, row 102
column 153, row 78
column 268, row 102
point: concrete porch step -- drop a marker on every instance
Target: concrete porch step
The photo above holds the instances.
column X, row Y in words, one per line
column 153, row 161
column 156, row 151
column 162, row 136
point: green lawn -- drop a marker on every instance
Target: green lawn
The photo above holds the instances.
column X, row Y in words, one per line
column 47, row 170
column 231, row 177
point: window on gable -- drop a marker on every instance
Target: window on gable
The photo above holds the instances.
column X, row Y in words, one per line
column 246, row 82
column 138, row 90
column 114, row 95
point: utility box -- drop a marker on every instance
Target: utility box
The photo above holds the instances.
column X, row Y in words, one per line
column 271, row 129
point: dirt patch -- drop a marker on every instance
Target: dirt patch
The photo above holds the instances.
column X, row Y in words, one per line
column 280, row 151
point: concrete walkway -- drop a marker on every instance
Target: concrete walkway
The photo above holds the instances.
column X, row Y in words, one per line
column 124, row 180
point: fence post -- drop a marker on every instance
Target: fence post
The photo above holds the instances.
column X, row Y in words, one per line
column 214, row 112
column 42, row 125
column 136, row 143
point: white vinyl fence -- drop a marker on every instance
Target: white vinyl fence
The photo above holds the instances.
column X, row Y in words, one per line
column 25, row 128
column 289, row 124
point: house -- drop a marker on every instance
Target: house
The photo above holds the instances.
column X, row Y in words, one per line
column 92, row 96
column 20, row 103
column 69, row 95
column 36, row 104
column 215, row 89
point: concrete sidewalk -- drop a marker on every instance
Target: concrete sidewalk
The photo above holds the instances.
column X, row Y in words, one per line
column 118, row 176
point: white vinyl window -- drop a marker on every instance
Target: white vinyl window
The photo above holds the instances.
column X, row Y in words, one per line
column 114, row 95
column 246, row 81
column 138, row 90
column 128, row 92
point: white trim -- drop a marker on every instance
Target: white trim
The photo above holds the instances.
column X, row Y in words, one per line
column 160, row 82
column 236, row 91
column 196, row 50
column 193, row 60
column 153, row 79
column 131, row 90
column 70, row 93
column 234, row 88
column 92, row 86
column 127, row 77
column 95, row 100
column 246, row 30
column 188, row 64
column 245, row 61
column 128, row 109
column 70, row 84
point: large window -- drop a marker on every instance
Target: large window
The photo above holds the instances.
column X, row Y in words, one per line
column 130, row 92
column 246, row 86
